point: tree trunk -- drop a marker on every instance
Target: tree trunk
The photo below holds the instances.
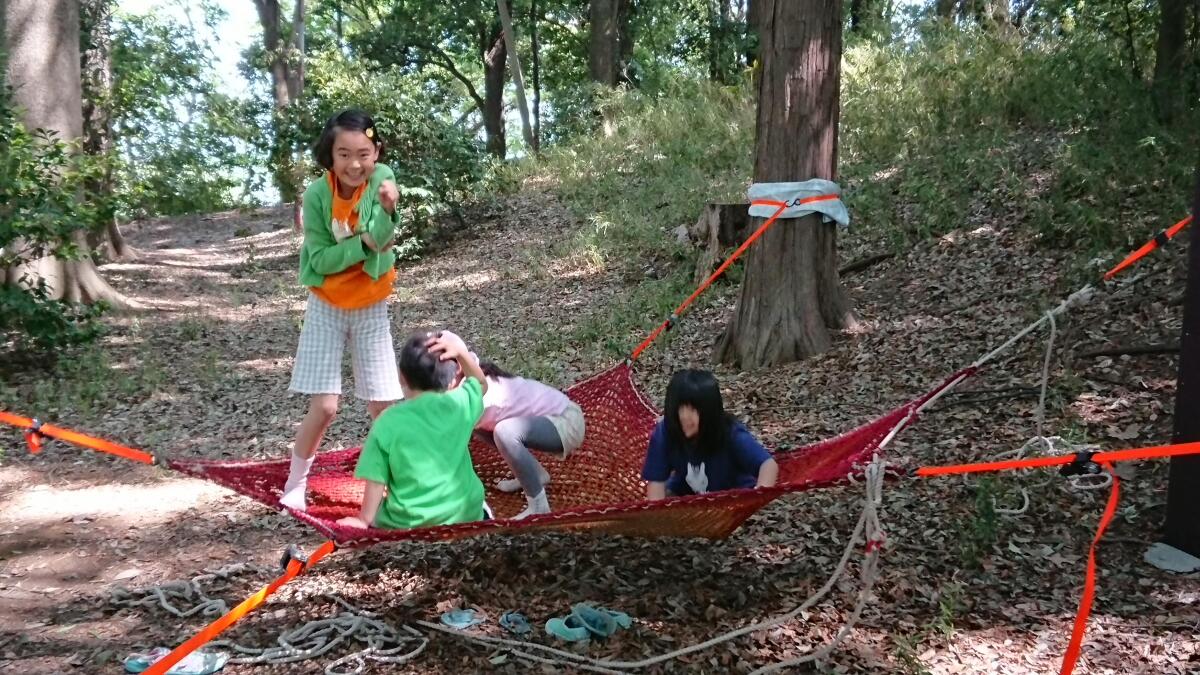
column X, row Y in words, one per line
column 1169, row 58
column 791, row 295
column 97, row 82
column 603, row 47
column 625, row 43
column 945, row 9
column 715, row 72
column 286, row 64
column 296, row 54
column 534, row 18
column 493, row 91
column 858, row 9
column 1183, row 483
column 41, row 40
column 753, row 20
column 268, row 16
column 514, row 64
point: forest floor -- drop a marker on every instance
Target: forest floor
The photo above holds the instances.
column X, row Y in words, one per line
column 202, row 371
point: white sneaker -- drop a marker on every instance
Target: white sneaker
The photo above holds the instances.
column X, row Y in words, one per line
column 514, row 485
column 536, row 506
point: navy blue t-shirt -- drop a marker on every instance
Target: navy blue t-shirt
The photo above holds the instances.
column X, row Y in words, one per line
column 686, row 474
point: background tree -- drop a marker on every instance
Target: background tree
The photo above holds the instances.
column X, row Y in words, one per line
column 791, row 295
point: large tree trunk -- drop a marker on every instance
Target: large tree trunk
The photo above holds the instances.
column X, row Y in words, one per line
column 41, row 40
column 493, row 91
column 753, row 19
column 945, row 9
column 1169, row 58
column 97, row 82
column 514, row 64
column 603, row 47
column 791, row 295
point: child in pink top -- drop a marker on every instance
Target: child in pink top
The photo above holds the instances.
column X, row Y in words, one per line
column 522, row 415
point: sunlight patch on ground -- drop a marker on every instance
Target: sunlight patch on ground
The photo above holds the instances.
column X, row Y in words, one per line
column 145, row 503
column 468, row 280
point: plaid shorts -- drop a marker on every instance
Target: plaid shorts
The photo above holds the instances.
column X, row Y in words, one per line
column 318, row 367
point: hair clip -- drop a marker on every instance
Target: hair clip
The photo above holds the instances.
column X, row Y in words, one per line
column 370, row 132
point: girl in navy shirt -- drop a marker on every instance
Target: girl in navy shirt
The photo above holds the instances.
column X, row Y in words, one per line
column 698, row 448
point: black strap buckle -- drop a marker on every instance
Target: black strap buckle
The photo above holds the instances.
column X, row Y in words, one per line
column 1162, row 239
column 293, row 553
column 1082, row 465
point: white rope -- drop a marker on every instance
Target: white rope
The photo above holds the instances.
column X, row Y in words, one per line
column 868, row 524
column 188, row 598
column 189, row 592
column 1079, row 297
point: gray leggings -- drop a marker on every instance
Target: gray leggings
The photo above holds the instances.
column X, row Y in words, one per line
column 515, row 437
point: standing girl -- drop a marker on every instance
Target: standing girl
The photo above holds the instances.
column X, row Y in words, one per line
column 348, row 266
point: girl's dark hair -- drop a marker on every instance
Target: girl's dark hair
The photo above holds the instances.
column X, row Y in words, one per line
column 423, row 370
column 347, row 120
column 493, row 371
column 699, row 389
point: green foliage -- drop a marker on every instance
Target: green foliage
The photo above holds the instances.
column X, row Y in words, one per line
column 40, row 180
column 184, row 147
column 970, row 125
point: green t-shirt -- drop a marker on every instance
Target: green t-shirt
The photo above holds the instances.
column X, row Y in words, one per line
column 418, row 449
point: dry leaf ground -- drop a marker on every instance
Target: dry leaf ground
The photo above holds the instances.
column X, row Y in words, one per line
column 203, row 373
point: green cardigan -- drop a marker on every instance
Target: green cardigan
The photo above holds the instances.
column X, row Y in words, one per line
column 323, row 255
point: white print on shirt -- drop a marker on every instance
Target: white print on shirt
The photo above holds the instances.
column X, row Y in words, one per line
column 341, row 229
column 696, row 478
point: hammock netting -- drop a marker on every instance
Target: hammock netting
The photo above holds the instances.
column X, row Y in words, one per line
column 598, row 488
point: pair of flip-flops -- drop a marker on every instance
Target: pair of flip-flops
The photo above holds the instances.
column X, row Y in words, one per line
column 462, row 619
column 196, row 663
column 586, row 622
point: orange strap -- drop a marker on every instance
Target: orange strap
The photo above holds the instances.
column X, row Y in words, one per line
column 1101, row 458
column 294, row 568
column 36, row 432
column 779, row 208
column 1159, row 240
column 1089, row 584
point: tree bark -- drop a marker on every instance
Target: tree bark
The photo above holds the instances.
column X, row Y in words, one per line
column 1169, row 58
column 945, row 9
column 286, row 64
column 753, row 19
column 625, row 41
column 858, row 10
column 97, row 84
column 1183, row 483
column 514, row 64
column 791, row 295
column 268, row 16
column 534, row 17
column 493, row 90
column 41, row 41
column 603, row 47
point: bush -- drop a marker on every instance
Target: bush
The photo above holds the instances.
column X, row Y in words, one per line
column 40, row 180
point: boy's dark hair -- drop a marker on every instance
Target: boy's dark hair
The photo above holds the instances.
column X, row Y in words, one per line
column 493, row 371
column 699, row 389
column 423, row 370
column 347, row 120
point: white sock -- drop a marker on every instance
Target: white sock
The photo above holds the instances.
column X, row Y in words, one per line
column 512, row 484
column 536, row 506
column 297, row 483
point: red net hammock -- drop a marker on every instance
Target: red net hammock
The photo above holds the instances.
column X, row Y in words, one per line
column 598, row 488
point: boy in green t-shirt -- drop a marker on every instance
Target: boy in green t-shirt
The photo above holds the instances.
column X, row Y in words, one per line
column 415, row 461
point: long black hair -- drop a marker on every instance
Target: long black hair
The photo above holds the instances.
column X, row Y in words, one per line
column 493, row 371
column 699, row 389
column 347, row 120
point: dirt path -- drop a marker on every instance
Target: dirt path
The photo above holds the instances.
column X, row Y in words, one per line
column 202, row 372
